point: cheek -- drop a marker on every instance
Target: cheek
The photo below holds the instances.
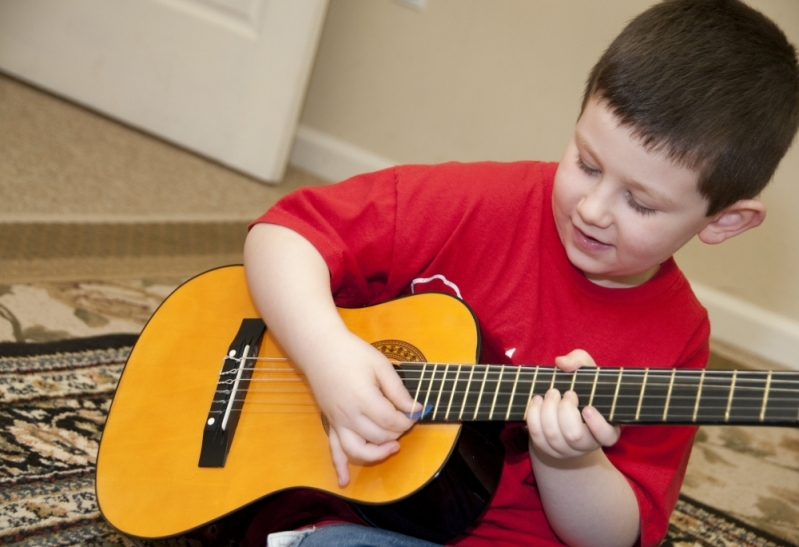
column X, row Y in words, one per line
column 565, row 194
column 645, row 240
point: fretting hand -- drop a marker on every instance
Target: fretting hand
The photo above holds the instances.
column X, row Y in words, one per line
column 557, row 427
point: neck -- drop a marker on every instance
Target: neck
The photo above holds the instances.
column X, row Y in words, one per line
column 623, row 282
column 456, row 393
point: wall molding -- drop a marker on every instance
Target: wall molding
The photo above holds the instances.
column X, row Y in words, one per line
column 331, row 158
column 733, row 321
column 751, row 328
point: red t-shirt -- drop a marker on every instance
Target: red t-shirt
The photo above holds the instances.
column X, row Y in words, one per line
column 485, row 233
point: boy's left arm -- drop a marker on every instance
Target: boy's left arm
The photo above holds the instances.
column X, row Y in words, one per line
column 587, row 500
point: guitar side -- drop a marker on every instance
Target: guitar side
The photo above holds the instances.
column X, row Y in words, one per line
column 149, row 483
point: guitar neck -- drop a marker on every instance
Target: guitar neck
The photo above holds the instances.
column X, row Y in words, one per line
column 462, row 393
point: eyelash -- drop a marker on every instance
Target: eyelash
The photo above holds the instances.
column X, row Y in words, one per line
column 589, row 170
column 637, row 207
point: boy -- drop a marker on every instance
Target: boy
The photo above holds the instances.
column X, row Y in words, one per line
column 683, row 122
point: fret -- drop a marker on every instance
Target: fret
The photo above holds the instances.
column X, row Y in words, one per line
column 582, row 381
column 715, row 393
column 729, row 398
column 605, row 390
column 513, row 392
column 530, row 395
column 430, row 386
column 684, row 392
column 441, row 390
column 783, row 403
column 593, row 388
column 419, row 384
column 641, row 396
column 765, row 396
column 628, row 395
column 554, row 374
column 452, row 392
column 668, row 396
column 654, row 396
column 480, row 395
column 496, row 392
column 466, row 392
column 615, row 395
column 564, row 381
column 750, row 392
column 698, row 395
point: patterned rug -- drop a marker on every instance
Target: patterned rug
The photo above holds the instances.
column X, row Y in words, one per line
column 54, row 397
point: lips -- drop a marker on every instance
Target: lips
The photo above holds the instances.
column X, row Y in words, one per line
column 587, row 242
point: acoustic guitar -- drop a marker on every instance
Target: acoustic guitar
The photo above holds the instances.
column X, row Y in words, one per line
column 210, row 415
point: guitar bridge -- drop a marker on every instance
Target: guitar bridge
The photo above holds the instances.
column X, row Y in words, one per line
column 231, row 389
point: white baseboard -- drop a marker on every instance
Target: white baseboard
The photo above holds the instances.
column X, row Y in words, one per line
column 750, row 328
column 331, row 158
column 733, row 321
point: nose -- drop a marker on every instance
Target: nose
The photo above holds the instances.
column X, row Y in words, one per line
column 594, row 209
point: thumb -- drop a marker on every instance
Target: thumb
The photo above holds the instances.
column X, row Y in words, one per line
column 395, row 391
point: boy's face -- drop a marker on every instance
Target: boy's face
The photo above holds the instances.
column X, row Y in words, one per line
column 620, row 209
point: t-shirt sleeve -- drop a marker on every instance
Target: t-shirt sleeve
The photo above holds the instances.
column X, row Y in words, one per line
column 654, row 458
column 344, row 222
column 378, row 230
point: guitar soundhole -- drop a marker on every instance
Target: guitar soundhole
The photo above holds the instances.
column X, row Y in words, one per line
column 397, row 350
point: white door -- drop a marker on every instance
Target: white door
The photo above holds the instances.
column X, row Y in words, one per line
column 224, row 78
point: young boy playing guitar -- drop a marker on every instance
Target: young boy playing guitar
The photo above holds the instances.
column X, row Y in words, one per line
column 684, row 121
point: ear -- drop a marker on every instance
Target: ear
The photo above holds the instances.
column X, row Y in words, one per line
column 735, row 219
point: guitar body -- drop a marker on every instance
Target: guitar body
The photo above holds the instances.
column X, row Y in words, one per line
column 149, row 483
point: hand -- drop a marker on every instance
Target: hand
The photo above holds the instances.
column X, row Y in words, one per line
column 364, row 401
column 556, row 426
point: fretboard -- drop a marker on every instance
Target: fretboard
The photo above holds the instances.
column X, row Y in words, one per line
column 462, row 393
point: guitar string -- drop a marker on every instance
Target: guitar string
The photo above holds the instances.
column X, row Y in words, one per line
column 711, row 402
column 708, row 384
column 744, row 384
column 643, row 416
column 629, row 372
column 440, row 377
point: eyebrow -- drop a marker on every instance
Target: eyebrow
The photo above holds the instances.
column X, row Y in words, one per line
column 653, row 192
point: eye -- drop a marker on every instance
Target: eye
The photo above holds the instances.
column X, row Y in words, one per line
column 588, row 170
column 637, row 207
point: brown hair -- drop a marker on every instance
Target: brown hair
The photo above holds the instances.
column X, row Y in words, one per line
column 712, row 83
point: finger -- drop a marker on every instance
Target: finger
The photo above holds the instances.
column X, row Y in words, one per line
column 573, row 360
column 534, row 428
column 605, row 433
column 550, row 420
column 370, row 431
column 340, row 462
column 576, row 433
column 357, row 449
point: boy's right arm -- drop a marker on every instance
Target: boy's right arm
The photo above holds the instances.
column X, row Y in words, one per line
column 355, row 386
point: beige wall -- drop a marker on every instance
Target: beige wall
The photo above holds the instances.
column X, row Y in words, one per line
column 502, row 80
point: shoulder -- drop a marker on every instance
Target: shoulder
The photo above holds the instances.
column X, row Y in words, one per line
column 489, row 186
column 458, row 173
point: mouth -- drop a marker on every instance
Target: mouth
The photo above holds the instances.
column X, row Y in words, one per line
column 587, row 242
